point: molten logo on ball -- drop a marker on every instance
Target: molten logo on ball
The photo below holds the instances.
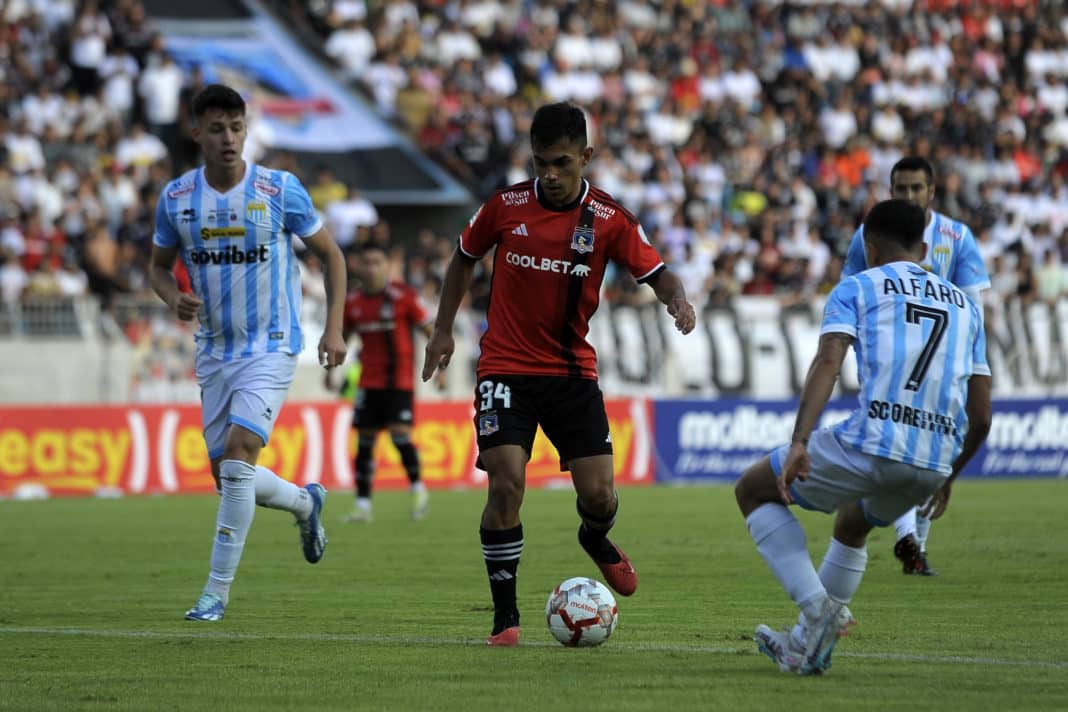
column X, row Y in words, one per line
column 581, row 612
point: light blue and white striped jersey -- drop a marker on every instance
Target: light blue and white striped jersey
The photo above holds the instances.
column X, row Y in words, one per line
column 238, row 248
column 918, row 340
column 952, row 254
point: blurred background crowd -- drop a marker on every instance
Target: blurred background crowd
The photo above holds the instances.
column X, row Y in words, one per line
column 750, row 137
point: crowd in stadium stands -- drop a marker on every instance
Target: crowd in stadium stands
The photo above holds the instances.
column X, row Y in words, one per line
column 749, row 137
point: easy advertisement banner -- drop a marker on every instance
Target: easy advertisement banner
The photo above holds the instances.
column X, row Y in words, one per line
column 159, row 449
column 700, row 440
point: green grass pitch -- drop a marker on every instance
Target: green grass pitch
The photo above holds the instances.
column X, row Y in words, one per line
column 92, row 594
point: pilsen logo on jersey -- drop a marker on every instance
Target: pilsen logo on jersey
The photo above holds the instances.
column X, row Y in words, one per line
column 582, row 239
column 516, row 197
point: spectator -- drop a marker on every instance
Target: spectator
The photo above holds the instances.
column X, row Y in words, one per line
column 139, row 150
column 1051, row 281
column 352, row 46
column 88, row 47
column 327, row 189
column 160, row 88
column 71, row 278
column 347, row 215
column 13, row 278
column 120, row 72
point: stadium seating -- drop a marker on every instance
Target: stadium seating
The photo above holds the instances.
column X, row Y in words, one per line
column 750, row 138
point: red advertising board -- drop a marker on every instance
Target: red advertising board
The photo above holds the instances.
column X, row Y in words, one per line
column 70, row 450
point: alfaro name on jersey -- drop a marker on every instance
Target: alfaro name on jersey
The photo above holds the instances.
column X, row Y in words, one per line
column 918, row 340
column 548, row 269
column 238, row 249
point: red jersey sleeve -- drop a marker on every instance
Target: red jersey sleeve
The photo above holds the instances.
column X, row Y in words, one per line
column 633, row 250
column 417, row 311
column 481, row 233
column 349, row 322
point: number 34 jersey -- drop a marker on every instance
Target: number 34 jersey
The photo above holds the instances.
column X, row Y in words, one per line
column 918, row 339
column 547, row 274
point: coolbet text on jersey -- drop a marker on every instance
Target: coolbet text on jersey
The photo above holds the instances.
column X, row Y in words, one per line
column 546, row 257
column 385, row 322
column 238, row 249
column 918, row 339
column 952, row 254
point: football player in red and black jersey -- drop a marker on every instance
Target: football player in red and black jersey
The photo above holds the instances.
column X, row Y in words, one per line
column 553, row 237
column 385, row 314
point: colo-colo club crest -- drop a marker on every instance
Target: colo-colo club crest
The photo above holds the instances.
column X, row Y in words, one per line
column 582, row 239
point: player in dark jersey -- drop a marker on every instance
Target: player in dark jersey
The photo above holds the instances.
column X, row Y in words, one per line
column 554, row 237
column 385, row 314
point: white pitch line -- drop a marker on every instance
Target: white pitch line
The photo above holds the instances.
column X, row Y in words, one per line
column 420, row 640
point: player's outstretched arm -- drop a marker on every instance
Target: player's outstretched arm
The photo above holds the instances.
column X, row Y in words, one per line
column 669, row 291
column 819, row 384
column 161, row 277
column 332, row 347
column 979, row 410
column 440, row 345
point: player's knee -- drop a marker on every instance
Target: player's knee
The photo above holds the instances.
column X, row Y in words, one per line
column 242, row 444
column 505, row 492
column 740, row 491
column 599, row 502
column 851, row 527
column 743, row 494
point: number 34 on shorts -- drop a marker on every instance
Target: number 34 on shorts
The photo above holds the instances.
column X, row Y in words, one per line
column 490, row 397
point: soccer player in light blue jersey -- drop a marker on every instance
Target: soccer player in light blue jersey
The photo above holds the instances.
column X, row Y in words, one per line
column 924, row 409
column 233, row 223
column 952, row 254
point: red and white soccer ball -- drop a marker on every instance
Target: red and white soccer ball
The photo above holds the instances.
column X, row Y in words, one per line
column 581, row 612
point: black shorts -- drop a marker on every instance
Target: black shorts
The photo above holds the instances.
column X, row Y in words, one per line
column 509, row 409
column 377, row 408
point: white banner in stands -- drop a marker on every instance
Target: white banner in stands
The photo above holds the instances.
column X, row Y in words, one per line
column 757, row 347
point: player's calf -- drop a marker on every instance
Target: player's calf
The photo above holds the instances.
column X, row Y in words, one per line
column 615, row 566
column 501, row 549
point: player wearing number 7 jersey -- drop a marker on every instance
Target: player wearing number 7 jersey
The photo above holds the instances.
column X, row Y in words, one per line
column 952, row 254
column 553, row 237
column 924, row 410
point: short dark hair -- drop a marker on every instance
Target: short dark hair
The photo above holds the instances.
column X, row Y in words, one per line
column 562, row 121
column 914, row 163
column 217, row 96
column 896, row 222
column 371, row 246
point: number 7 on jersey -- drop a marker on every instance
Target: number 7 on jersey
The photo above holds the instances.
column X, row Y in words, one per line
column 913, row 314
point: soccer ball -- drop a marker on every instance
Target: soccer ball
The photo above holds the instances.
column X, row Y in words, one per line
column 581, row 612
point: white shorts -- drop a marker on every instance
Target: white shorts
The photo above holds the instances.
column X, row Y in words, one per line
column 248, row 392
column 839, row 474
